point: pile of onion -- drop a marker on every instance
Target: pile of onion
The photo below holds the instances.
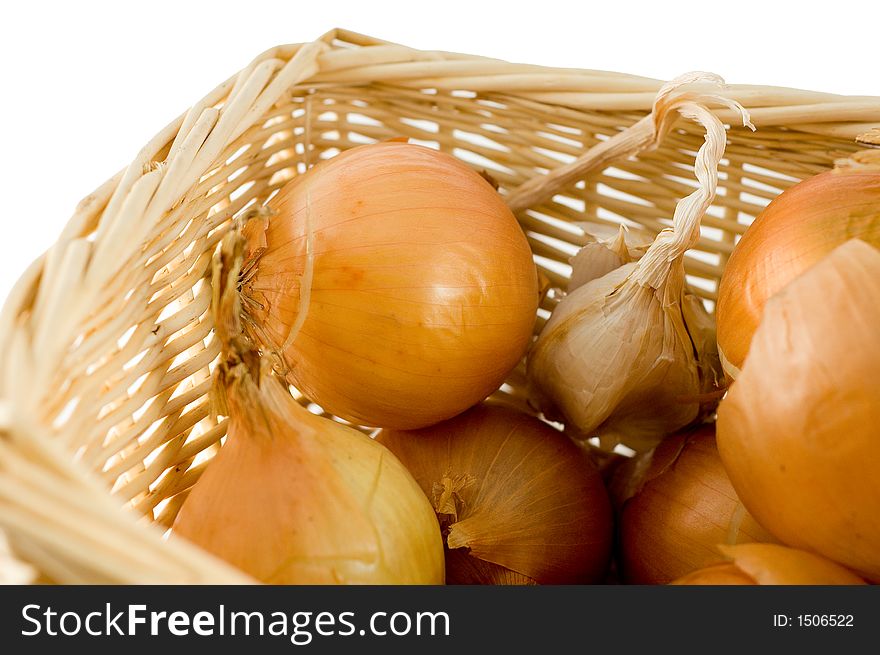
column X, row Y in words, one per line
column 795, row 231
column 770, row 564
column 393, row 287
column 407, row 280
column 293, row 498
column 518, row 502
column 682, row 506
column 799, row 431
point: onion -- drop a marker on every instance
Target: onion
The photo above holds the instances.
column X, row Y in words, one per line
column 293, row 498
column 408, row 281
column 794, row 232
column 770, row 564
column 684, row 508
column 518, row 502
column 799, row 431
column 716, row 574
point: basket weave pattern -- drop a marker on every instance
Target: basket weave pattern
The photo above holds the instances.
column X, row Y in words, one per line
column 106, row 342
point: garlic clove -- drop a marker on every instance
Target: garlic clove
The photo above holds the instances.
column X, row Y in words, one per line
column 603, row 255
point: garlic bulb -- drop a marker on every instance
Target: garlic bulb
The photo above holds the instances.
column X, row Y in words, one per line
column 293, row 498
column 799, row 430
column 626, row 356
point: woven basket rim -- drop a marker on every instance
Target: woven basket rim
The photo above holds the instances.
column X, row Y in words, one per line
column 813, row 112
column 794, row 107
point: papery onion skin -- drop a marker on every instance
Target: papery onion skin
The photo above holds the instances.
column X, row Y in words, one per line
column 293, row 498
column 770, row 564
column 715, row 574
column 424, row 291
column 799, row 430
column 462, row 569
column 536, row 506
column 685, row 506
column 796, row 230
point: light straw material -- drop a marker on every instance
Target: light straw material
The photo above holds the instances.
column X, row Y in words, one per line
column 106, row 342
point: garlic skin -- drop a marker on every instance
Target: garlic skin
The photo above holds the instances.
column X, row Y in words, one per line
column 628, row 356
column 616, row 360
column 604, row 254
column 799, row 430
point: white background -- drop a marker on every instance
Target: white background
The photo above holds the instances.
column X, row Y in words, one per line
column 86, row 84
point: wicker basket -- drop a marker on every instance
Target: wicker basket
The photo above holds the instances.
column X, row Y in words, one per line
column 106, row 342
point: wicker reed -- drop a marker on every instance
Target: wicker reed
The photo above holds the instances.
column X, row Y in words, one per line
column 106, row 342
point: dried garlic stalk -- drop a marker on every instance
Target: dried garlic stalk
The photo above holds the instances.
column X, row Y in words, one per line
column 627, row 354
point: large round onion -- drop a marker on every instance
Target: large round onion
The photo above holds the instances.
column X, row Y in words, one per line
column 795, row 231
column 421, row 293
column 799, row 430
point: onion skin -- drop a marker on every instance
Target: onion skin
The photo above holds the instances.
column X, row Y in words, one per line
column 799, row 430
column 536, row 510
column 795, row 231
column 462, row 569
column 685, row 507
column 293, row 498
column 716, row 574
column 424, row 290
column 770, row 564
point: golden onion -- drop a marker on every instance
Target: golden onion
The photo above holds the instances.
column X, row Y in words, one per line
column 770, row 564
column 684, row 506
column 294, row 498
column 799, row 430
column 796, row 230
column 408, row 281
column 518, row 502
